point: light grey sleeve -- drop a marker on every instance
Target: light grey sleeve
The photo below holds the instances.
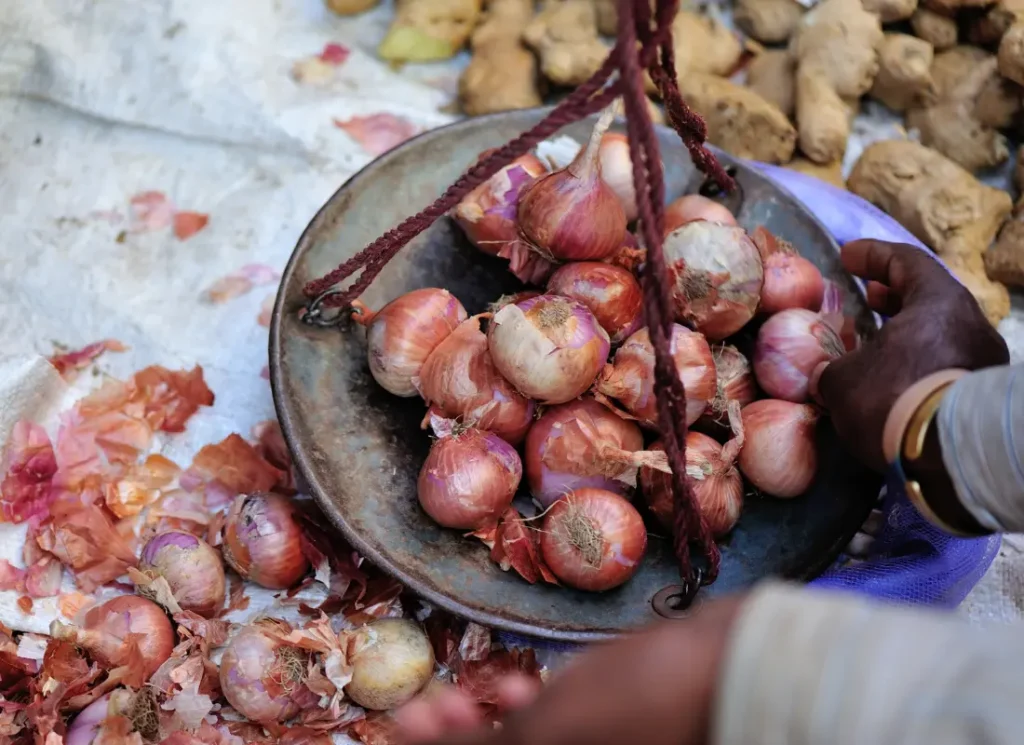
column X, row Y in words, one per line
column 807, row 668
column 981, row 429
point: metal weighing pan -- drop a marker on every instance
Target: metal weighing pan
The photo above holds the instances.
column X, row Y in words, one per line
column 360, row 449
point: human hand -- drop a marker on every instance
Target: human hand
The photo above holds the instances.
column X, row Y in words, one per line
column 935, row 324
column 656, row 687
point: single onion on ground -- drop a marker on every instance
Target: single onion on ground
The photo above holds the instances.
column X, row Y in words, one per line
column 717, row 484
column 694, row 207
column 789, row 346
column 593, row 540
column 488, row 217
column 126, row 630
column 716, row 276
column 459, row 381
column 392, row 661
column 735, row 382
column 469, row 477
column 617, row 170
column 550, row 348
column 584, row 444
column 263, row 542
column 402, row 334
column 780, row 456
column 572, row 214
column 260, row 676
column 610, row 292
column 629, row 377
column 192, row 570
column 790, row 280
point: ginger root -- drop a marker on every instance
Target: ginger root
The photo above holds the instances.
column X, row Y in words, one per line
column 1004, row 262
column 350, row 7
column 771, row 75
column 836, row 47
column 891, row 10
column 703, row 44
column 502, row 73
column 943, row 205
column 968, row 102
column 607, row 17
column 987, row 30
column 939, row 30
column 564, row 35
column 768, row 21
column 426, row 30
column 904, row 72
column 830, row 174
column 739, row 120
column 1011, row 54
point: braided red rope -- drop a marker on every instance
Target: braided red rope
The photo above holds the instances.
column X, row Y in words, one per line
column 656, row 56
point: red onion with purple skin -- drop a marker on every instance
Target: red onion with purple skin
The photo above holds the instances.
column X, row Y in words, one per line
column 468, row 479
column 790, row 280
column 610, row 292
column 735, row 382
column 584, row 444
column 192, row 569
column 693, row 207
column 780, row 456
column 550, row 348
column 262, row 541
column 617, row 170
column 260, row 676
column 789, row 346
column 716, row 275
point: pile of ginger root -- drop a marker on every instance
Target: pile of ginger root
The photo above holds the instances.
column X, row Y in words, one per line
column 782, row 82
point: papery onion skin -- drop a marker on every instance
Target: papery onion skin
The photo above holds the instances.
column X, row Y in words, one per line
column 192, row 568
column 789, row 346
column 629, row 378
column 460, row 381
column 550, row 348
column 735, row 382
column 693, row 207
column 717, row 486
column 572, row 214
column 611, row 293
column 617, row 171
column 392, row 661
column 716, row 275
column 487, row 214
column 593, row 540
column 263, row 542
column 469, row 479
column 402, row 334
column 253, row 658
column 780, row 456
column 107, row 629
column 86, row 724
column 561, row 454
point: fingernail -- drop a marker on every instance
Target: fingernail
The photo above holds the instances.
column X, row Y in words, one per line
column 812, row 385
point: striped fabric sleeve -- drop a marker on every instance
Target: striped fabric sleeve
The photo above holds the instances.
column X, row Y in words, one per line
column 981, row 430
column 814, row 668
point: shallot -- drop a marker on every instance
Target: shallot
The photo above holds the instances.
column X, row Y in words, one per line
column 392, row 661
column 717, row 484
column 629, row 378
column 790, row 280
column 126, row 630
column 693, row 207
column 263, row 542
column 550, row 348
column 260, row 676
column 617, row 170
column 402, row 334
column 572, row 214
column 716, row 276
column 469, row 478
column 584, row 444
column 610, row 292
column 488, row 217
column 789, row 346
column 779, row 456
column 192, row 570
column 459, row 381
column 593, row 540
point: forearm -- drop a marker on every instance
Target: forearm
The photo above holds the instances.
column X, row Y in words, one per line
column 981, row 432
column 805, row 668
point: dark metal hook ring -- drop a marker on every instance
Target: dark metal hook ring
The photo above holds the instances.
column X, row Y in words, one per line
column 314, row 315
column 677, row 601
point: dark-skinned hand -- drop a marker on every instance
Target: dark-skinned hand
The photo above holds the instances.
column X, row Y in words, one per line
column 935, row 324
column 655, row 687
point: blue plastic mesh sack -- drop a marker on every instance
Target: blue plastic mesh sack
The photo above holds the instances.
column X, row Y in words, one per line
column 910, row 561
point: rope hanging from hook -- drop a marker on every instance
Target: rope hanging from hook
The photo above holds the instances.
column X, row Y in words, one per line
column 644, row 42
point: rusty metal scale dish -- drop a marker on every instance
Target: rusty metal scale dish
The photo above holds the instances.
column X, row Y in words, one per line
column 360, row 449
